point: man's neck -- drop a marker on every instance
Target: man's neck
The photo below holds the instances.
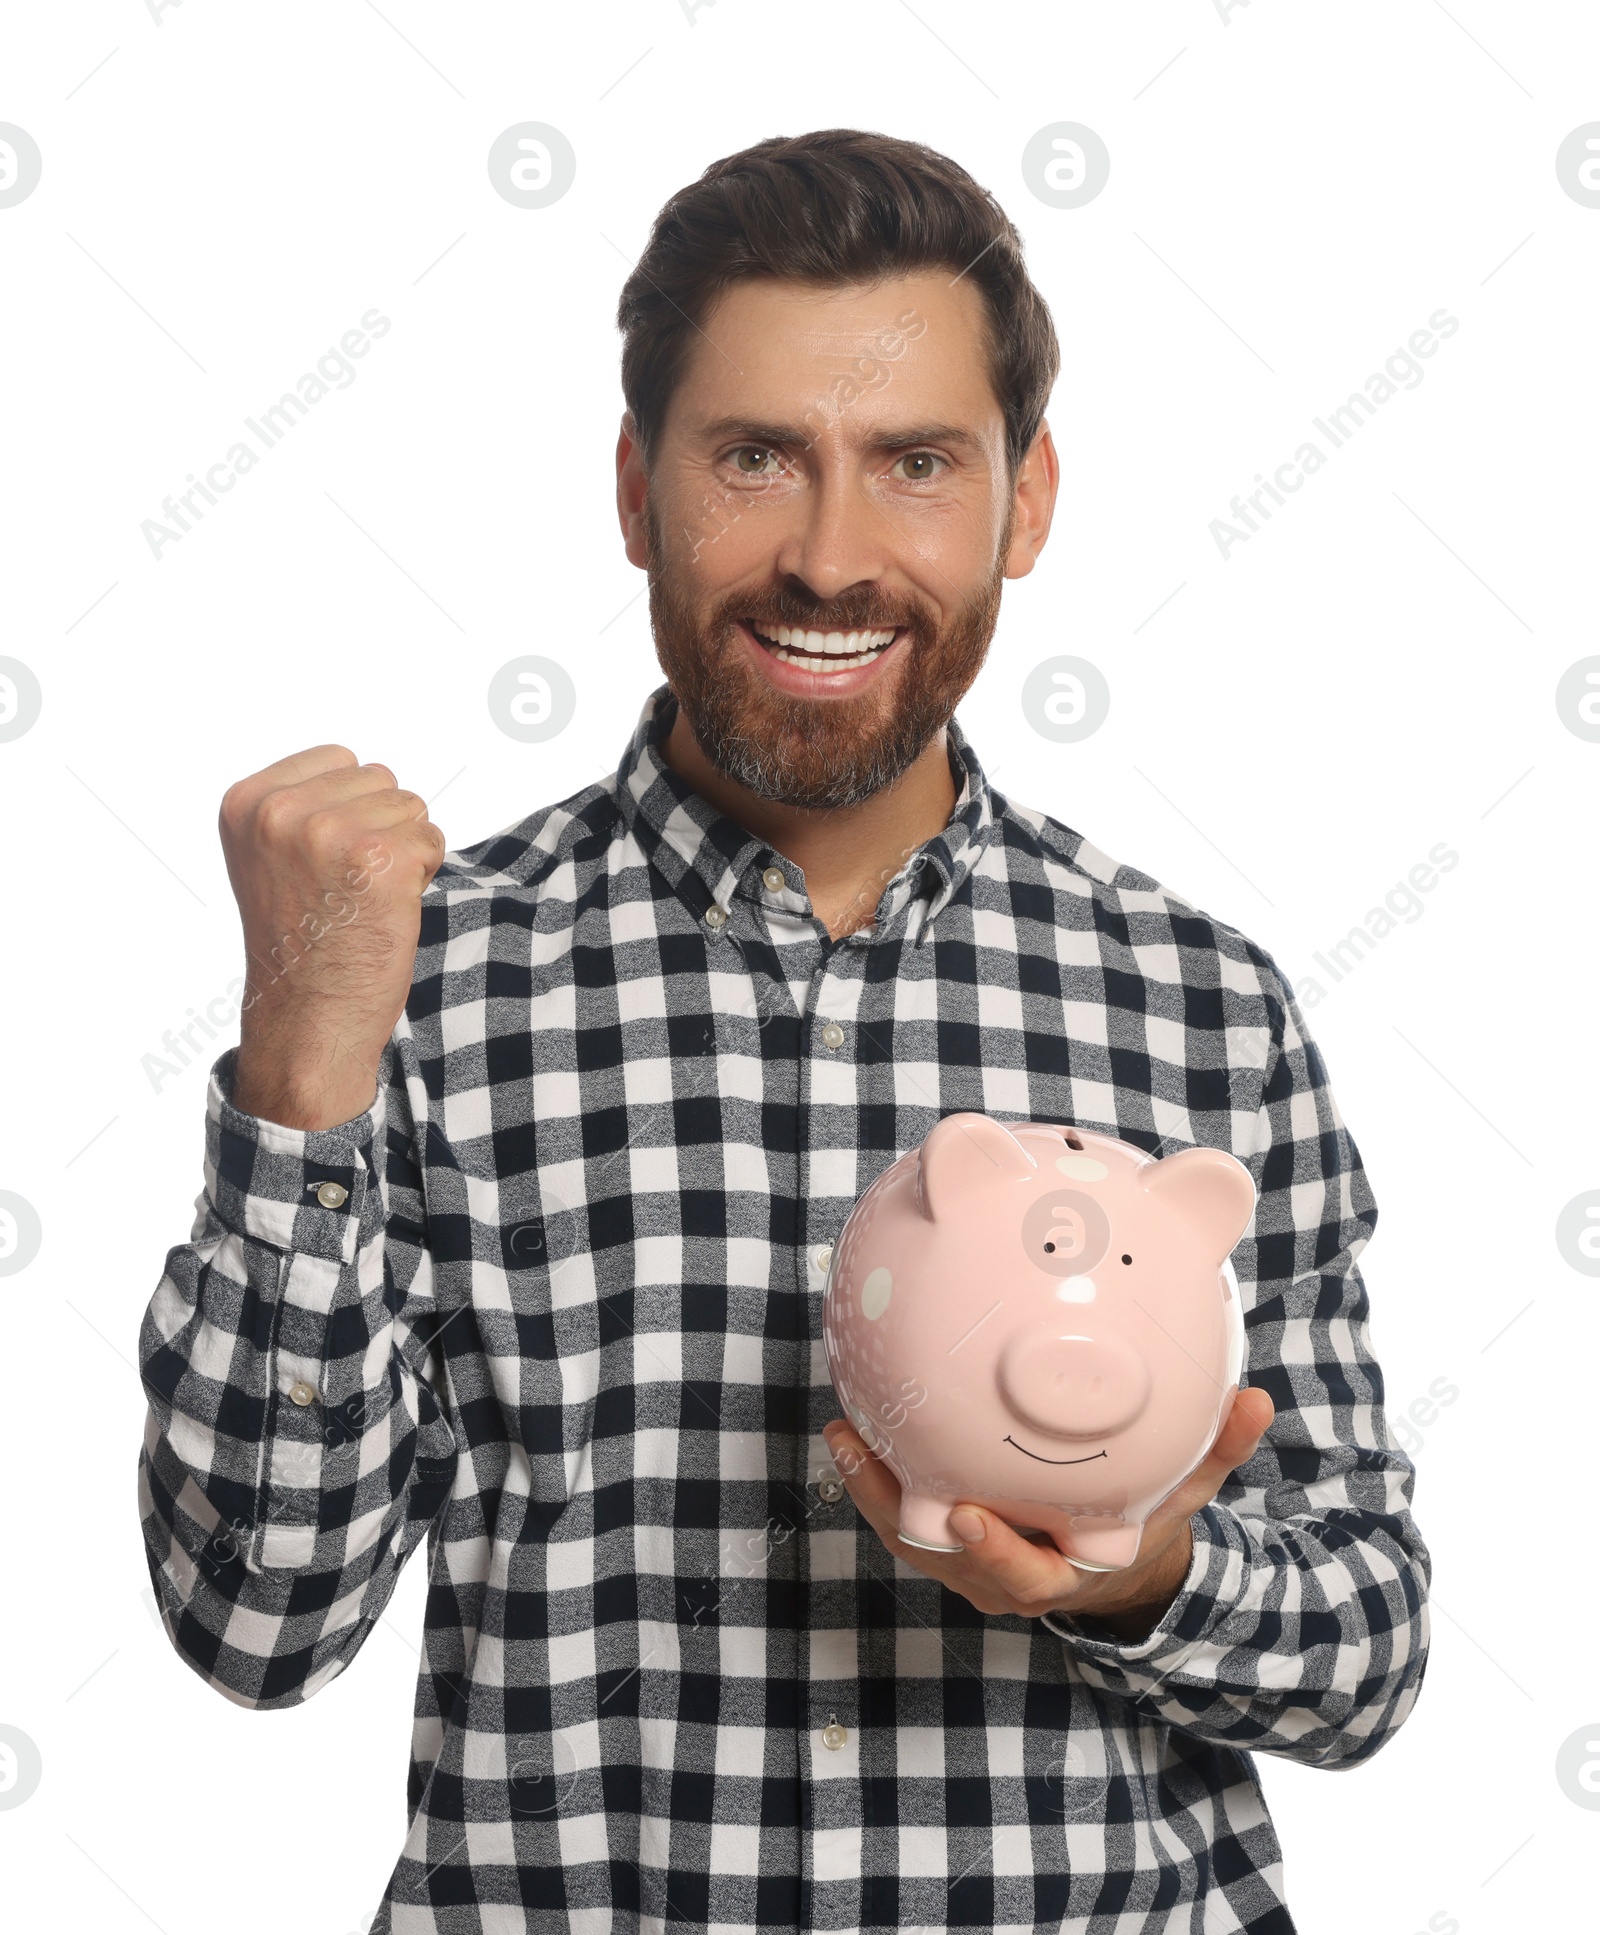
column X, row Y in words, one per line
column 848, row 854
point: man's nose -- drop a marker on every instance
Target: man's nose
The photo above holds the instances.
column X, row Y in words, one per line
column 1074, row 1386
column 837, row 540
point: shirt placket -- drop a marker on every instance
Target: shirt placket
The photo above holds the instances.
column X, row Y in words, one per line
column 830, row 1753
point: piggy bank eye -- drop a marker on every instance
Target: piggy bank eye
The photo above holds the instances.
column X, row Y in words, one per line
column 1066, row 1232
column 1127, row 1259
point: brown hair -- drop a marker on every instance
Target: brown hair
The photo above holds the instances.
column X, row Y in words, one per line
column 835, row 207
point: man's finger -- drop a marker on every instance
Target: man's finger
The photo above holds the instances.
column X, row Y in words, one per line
column 1013, row 1564
column 867, row 1477
column 1244, row 1426
column 294, row 770
column 869, row 1480
column 1241, row 1432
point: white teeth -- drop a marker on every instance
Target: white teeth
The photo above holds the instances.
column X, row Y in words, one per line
column 796, row 646
column 810, row 662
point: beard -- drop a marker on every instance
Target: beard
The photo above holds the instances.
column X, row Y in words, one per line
column 815, row 752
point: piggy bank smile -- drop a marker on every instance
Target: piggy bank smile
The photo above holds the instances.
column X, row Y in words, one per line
column 1055, row 1461
column 963, row 1275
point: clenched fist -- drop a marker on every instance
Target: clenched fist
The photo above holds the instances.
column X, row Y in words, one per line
column 328, row 860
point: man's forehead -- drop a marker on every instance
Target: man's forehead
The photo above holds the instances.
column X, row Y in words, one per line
column 765, row 341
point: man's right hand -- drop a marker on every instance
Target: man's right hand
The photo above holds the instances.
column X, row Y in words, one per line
column 328, row 860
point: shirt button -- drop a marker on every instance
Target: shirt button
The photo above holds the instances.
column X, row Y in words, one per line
column 832, row 1035
column 716, row 917
column 823, row 1257
column 831, row 1491
column 300, row 1392
column 833, row 1735
column 773, row 880
column 332, row 1195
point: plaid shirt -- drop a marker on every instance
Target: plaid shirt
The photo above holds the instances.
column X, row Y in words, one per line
column 559, row 1317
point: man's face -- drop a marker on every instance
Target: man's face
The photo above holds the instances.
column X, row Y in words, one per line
column 827, row 523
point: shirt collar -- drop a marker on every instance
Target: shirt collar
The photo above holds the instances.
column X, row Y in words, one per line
column 708, row 859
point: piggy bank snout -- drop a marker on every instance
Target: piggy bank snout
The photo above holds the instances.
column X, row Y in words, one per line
column 1074, row 1386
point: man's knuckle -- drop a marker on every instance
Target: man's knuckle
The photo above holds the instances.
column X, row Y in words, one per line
column 235, row 805
column 326, row 834
column 276, row 815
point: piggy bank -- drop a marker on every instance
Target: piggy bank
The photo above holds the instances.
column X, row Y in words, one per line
column 1041, row 1320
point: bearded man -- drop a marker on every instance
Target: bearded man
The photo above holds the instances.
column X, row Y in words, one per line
column 522, row 1183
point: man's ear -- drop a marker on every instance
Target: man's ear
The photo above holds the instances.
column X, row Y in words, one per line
column 1034, row 503
column 632, row 486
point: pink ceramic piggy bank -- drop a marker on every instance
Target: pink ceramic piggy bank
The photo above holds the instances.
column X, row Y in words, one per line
column 1041, row 1320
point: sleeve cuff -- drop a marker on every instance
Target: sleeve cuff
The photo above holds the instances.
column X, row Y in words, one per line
column 1212, row 1587
column 300, row 1190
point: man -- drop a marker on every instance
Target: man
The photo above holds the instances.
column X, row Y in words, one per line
column 521, row 1184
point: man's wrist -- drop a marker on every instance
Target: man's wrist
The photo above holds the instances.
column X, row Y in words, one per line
column 1134, row 1624
column 301, row 1094
column 1137, row 1621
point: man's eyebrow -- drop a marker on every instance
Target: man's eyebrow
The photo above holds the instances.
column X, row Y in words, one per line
column 913, row 437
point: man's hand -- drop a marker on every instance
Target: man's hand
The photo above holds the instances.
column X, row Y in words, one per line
column 328, row 860
column 1006, row 1571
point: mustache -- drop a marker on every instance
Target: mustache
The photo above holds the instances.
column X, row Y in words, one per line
column 838, row 615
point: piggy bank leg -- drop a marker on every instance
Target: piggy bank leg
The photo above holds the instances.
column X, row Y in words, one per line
column 925, row 1521
column 1103, row 1545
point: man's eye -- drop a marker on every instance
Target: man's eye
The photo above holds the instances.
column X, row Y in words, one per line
column 752, row 460
column 918, row 466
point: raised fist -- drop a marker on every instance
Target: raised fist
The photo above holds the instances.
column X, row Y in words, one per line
column 328, row 860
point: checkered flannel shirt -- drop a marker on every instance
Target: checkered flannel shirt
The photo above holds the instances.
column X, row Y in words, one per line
column 560, row 1321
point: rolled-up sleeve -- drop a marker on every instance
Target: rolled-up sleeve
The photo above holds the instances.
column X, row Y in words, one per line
column 1301, row 1627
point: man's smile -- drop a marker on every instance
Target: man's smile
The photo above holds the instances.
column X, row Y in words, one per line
column 1008, row 1439
column 819, row 664
column 815, row 651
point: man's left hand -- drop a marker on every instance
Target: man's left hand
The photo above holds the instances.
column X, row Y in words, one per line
column 1002, row 1570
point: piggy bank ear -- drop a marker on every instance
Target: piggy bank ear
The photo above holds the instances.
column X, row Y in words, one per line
column 963, row 1158
column 1209, row 1191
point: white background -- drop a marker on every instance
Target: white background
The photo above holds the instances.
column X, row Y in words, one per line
column 1294, row 189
